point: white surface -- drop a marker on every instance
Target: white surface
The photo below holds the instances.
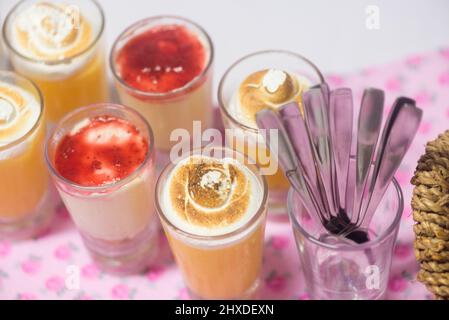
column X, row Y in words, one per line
column 333, row 34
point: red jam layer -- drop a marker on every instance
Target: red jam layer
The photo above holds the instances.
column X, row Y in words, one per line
column 161, row 59
column 104, row 151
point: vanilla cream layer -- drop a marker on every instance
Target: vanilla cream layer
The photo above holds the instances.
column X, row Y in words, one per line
column 271, row 88
column 116, row 215
column 48, row 32
column 19, row 112
column 209, row 197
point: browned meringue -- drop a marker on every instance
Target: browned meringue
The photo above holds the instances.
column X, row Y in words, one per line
column 209, row 193
column 267, row 88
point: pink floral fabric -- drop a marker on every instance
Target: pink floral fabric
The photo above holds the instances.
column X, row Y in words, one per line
column 36, row 269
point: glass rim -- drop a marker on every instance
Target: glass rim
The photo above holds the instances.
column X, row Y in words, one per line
column 356, row 247
column 40, row 100
column 54, row 61
column 221, row 103
column 254, row 219
column 116, row 184
column 173, row 92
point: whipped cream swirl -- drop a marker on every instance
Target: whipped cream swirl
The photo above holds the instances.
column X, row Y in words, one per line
column 19, row 111
column 51, row 31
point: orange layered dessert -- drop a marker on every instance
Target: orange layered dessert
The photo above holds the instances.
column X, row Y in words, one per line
column 269, row 88
column 162, row 68
column 59, row 46
column 22, row 167
column 214, row 213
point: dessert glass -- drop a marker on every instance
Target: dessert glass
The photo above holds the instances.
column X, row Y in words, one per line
column 224, row 266
column 116, row 220
column 177, row 108
column 249, row 140
column 25, row 208
column 72, row 79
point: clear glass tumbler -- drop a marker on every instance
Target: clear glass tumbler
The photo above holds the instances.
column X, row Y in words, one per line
column 160, row 57
column 223, row 266
column 249, row 140
column 25, row 193
column 336, row 269
column 116, row 220
column 59, row 44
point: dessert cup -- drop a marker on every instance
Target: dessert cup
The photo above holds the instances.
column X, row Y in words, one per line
column 219, row 258
column 172, row 88
column 60, row 46
column 116, row 216
column 25, row 208
column 242, row 133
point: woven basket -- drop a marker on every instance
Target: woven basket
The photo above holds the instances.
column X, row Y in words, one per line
column 430, row 203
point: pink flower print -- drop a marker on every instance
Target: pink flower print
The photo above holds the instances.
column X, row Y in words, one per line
column 85, row 297
column 414, row 60
column 276, row 282
column 304, row 296
column 425, row 128
column 90, row 271
column 423, row 98
column 155, row 273
column 27, row 296
column 279, row 242
column 335, row 80
column 5, row 248
column 120, row 291
column 183, row 294
column 397, row 284
column 393, row 84
column 402, row 251
column 31, row 266
column 445, row 53
column 444, row 78
column 402, row 177
column 63, row 252
column 54, row 284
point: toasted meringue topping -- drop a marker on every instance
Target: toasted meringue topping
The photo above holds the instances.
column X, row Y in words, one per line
column 51, row 31
column 270, row 88
column 209, row 196
column 19, row 111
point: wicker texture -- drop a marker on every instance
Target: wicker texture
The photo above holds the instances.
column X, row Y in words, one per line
column 430, row 203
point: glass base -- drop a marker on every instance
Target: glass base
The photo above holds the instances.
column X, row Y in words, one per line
column 253, row 293
column 35, row 223
column 125, row 257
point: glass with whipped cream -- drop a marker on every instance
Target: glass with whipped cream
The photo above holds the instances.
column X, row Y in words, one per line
column 102, row 161
column 212, row 205
column 59, row 45
column 163, row 68
column 25, row 209
column 266, row 79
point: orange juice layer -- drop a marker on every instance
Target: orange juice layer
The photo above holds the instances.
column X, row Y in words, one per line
column 24, row 179
column 87, row 86
column 224, row 272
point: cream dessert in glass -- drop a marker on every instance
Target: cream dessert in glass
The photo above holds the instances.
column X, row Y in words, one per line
column 59, row 45
column 266, row 79
column 212, row 205
column 163, row 68
column 25, row 206
column 101, row 158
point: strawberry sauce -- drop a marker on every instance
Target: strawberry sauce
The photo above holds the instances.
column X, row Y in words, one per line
column 105, row 150
column 161, row 59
